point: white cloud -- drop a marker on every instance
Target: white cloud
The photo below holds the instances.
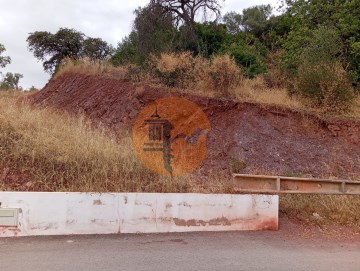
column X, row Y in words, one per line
column 110, row 20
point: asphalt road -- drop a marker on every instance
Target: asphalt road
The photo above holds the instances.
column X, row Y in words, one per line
column 190, row 251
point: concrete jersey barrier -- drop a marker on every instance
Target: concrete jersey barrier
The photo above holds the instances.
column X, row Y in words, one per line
column 42, row 213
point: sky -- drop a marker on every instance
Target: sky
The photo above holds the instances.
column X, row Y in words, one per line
column 110, row 20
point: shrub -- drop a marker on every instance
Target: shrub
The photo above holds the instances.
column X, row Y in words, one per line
column 320, row 76
column 248, row 52
column 174, row 69
column 182, row 70
column 325, row 84
column 248, row 60
column 237, row 166
column 275, row 77
column 224, row 74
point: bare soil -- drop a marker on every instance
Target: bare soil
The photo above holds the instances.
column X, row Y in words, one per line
column 254, row 138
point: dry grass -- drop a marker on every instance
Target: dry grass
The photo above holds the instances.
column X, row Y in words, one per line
column 256, row 91
column 322, row 209
column 224, row 75
column 88, row 67
column 44, row 150
column 355, row 109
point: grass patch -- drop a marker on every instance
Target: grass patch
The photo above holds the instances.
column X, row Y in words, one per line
column 256, row 91
column 88, row 67
column 322, row 209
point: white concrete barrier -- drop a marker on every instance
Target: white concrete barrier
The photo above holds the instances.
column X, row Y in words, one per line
column 95, row 213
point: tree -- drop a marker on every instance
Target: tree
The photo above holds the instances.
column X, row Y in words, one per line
column 155, row 29
column 254, row 18
column 212, row 37
column 127, row 51
column 153, row 32
column 305, row 16
column 53, row 48
column 96, row 49
column 248, row 52
column 4, row 60
column 258, row 21
column 11, row 81
column 316, row 69
column 185, row 12
column 66, row 43
column 233, row 22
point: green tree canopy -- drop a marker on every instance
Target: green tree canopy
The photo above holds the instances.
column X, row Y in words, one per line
column 212, row 36
column 11, row 81
column 127, row 51
column 233, row 22
column 253, row 19
column 155, row 30
column 153, row 33
column 53, row 48
column 4, row 60
column 96, row 48
column 304, row 17
column 185, row 13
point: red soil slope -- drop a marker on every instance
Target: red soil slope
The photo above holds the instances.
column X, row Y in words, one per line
column 267, row 140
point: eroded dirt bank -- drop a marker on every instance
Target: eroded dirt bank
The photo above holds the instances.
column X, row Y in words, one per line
column 259, row 139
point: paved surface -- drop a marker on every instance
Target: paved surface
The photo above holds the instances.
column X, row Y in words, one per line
column 190, row 251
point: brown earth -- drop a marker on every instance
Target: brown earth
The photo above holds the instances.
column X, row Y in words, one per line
column 250, row 137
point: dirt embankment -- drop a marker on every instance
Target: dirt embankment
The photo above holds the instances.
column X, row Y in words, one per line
column 259, row 139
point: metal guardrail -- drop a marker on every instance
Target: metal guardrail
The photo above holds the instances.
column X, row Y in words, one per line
column 294, row 185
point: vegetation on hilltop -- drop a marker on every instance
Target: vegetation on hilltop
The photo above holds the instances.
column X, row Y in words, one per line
column 9, row 80
column 310, row 47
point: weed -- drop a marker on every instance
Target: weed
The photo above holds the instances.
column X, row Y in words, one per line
column 237, row 166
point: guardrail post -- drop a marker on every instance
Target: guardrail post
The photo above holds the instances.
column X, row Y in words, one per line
column 278, row 184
